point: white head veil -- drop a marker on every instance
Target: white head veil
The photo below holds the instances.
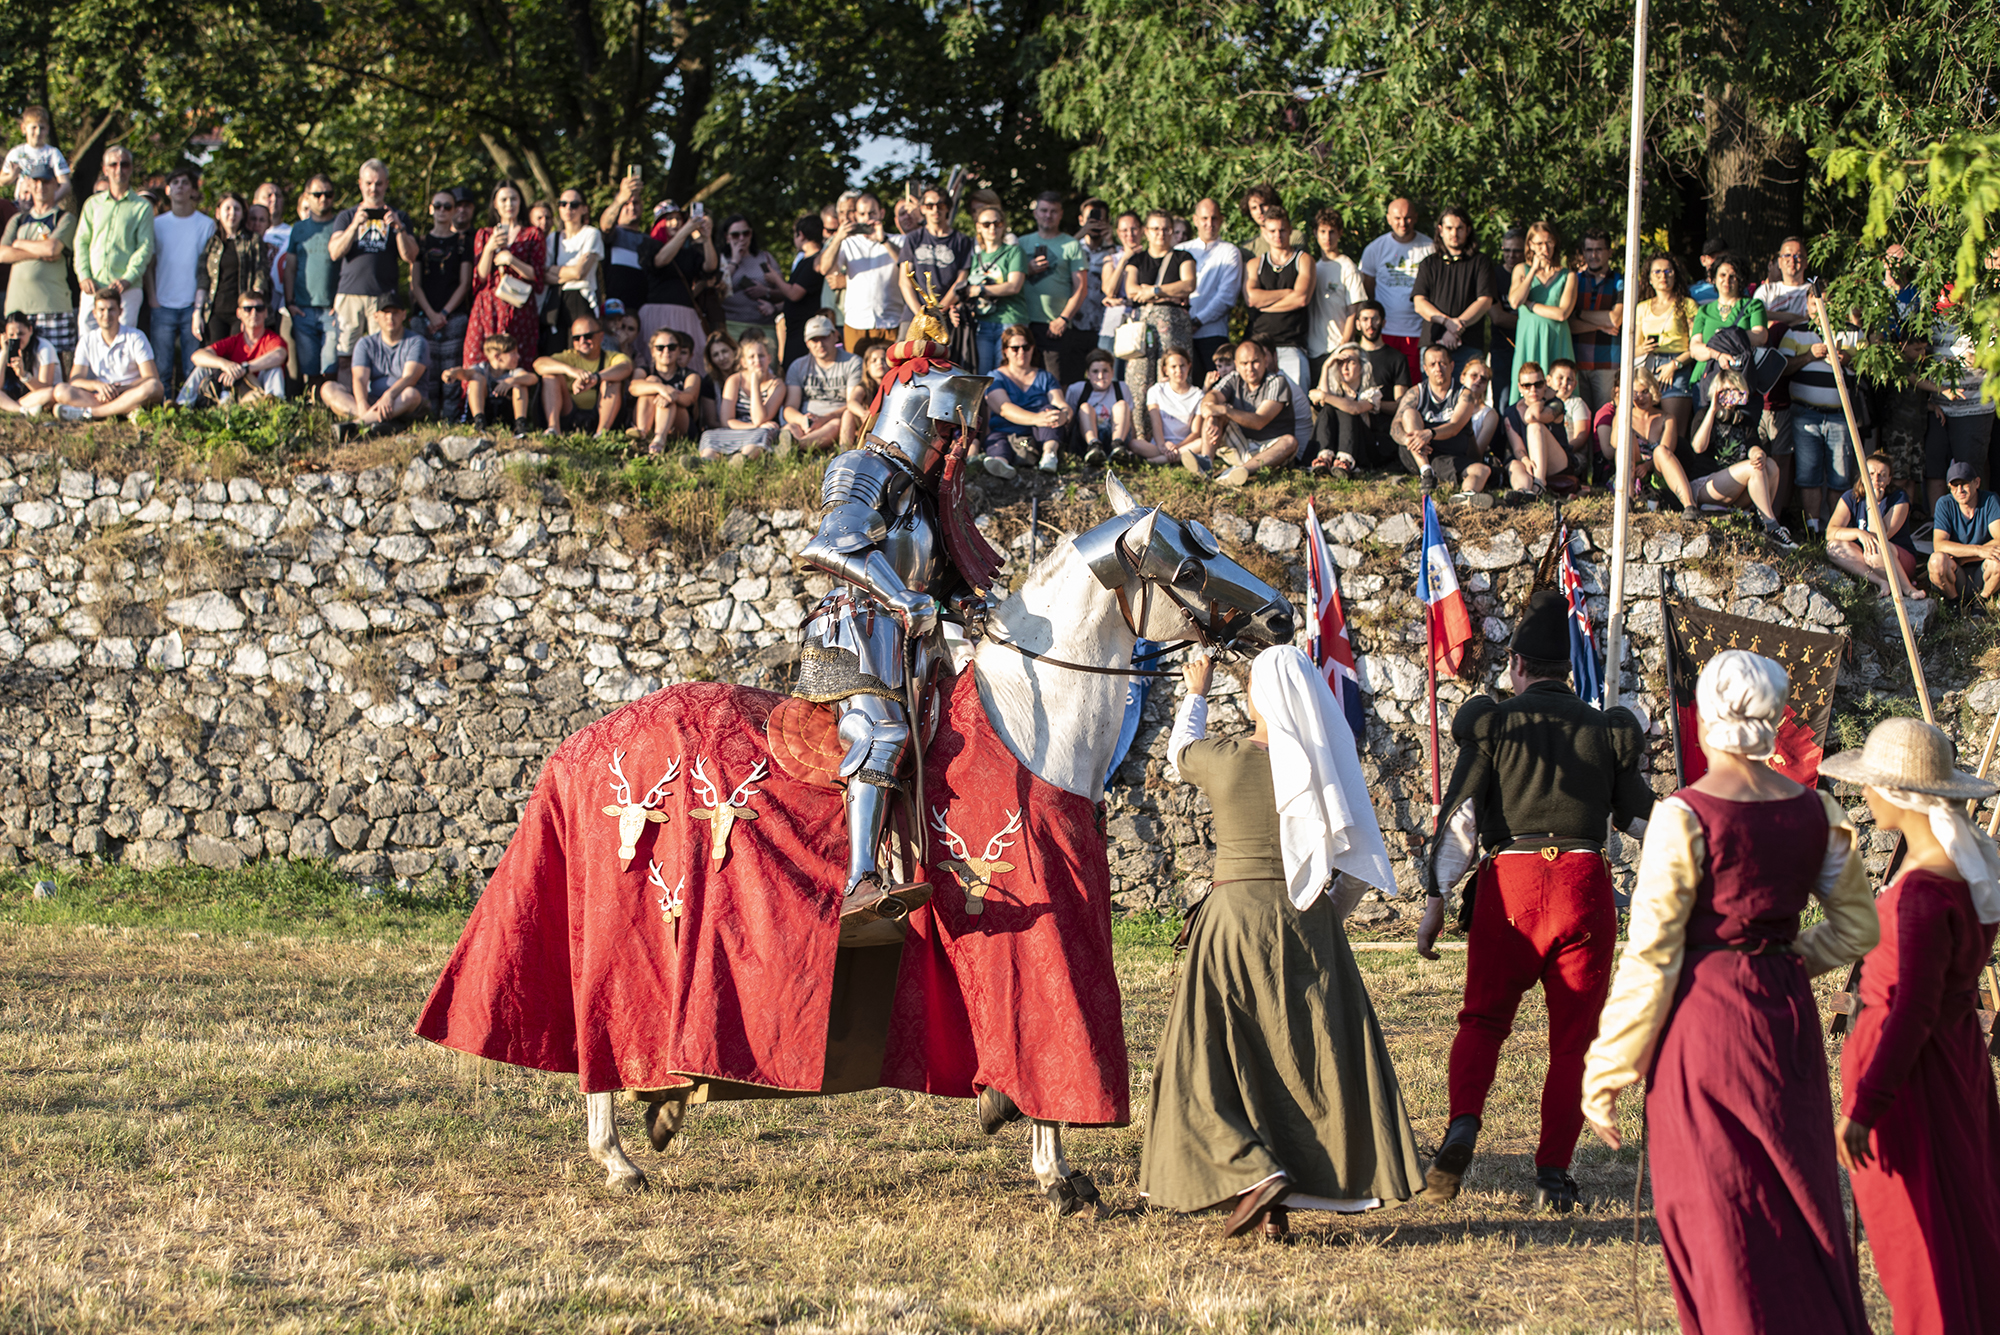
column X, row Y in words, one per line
column 1326, row 823
column 1740, row 697
column 1971, row 852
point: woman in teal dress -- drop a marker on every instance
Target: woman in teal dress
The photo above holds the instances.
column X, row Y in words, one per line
column 1543, row 296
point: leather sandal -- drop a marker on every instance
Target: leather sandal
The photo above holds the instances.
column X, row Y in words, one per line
column 1253, row 1206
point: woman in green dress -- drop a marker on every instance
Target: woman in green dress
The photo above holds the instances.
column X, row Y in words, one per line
column 1544, row 297
column 1273, row 1088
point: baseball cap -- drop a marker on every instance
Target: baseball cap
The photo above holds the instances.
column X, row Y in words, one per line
column 1961, row 471
column 393, row 302
column 819, row 327
column 666, row 208
column 39, row 171
column 613, row 306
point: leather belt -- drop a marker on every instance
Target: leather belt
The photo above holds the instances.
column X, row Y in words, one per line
column 1550, row 847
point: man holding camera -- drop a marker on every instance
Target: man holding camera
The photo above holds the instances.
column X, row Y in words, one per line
column 1057, row 280
column 369, row 240
column 868, row 262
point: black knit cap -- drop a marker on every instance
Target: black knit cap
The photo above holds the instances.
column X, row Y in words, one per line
column 1544, row 628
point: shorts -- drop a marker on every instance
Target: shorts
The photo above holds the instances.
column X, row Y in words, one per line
column 1825, row 454
column 1956, row 440
column 352, row 314
column 728, row 441
column 58, row 328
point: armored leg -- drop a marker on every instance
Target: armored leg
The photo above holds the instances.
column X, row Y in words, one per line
column 878, row 737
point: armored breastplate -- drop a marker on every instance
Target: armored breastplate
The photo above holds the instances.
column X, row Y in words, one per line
column 912, row 542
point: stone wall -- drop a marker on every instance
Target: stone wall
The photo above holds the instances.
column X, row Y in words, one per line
column 369, row 667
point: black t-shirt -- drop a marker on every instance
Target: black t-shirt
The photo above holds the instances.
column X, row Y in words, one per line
column 943, row 257
column 1148, row 269
column 803, row 275
column 370, row 268
column 1452, row 285
column 438, row 259
column 1392, row 372
column 667, row 285
column 624, row 279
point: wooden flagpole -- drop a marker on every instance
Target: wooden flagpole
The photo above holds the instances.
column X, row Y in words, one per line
column 1890, row 569
column 1621, row 506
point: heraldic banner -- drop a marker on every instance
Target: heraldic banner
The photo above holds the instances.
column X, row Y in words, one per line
column 1810, row 658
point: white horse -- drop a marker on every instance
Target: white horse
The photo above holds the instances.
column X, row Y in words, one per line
column 1141, row 573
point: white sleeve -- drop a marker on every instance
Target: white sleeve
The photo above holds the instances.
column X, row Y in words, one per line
column 1351, row 281
column 1190, row 726
column 1458, row 845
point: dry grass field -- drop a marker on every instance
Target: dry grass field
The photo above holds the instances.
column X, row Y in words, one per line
column 214, row 1117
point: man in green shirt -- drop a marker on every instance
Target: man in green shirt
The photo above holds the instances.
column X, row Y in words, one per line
column 34, row 243
column 1058, row 273
column 114, row 237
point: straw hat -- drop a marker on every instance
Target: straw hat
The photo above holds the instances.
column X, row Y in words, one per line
column 1909, row 754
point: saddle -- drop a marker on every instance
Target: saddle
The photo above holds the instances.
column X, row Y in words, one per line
column 805, row 744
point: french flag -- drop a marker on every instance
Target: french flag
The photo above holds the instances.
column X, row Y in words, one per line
column 1437, row 585
column 1332, row 651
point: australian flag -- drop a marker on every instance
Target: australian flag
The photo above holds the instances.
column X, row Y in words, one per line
column 1586, row 670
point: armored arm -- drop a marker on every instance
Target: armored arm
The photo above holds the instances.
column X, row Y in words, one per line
column 856, row 496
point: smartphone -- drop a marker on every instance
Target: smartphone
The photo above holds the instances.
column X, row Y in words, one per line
column 635, row 172
column 374, row 215
column 697, row 210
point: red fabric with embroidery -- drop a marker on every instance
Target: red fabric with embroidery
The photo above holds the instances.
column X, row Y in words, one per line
column 569, row 963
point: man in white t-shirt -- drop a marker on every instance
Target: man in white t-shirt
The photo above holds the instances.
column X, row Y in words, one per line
column 869, row 260
column 1337, row 290
column 114, row 374
column 1218, row 284
column 175, row 279
column 1389, row 273
column 1785, row 297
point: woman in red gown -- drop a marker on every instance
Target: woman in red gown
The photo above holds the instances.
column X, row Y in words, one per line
column 512, row 246
column 1713, row 1004
column 1915, row 1073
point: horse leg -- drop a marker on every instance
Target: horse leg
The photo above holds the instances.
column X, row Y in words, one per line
column 620, row 1173
column 1068, row 1192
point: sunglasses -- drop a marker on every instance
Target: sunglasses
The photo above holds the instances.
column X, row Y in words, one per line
column 583, row 338
column 319, row 194
column 572, row 203
column 1017, row 347
column 1531, row 384
column 739, row 233
column 933, row 203
column 666, row 347
column 1477, row 379
column 250, row 308
column 443, row 204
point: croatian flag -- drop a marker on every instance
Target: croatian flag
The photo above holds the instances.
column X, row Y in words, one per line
column 1332, row 650
column 1437, row 585
column 1583, row 664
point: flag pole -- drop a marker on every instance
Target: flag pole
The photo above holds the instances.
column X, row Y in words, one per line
column 1614, row 623
column 1431, row 666
column 1890, row 569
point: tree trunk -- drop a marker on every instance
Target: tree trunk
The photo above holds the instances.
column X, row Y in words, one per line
column 697, row 73
column 1756, row 181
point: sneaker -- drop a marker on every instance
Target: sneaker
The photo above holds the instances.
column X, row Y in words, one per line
column 479, row 422
column 1427, row 478
column 1234, row 477
column 1779, row 536
column 1050, row 463
column 1473, row 500
column 1196, row 462
column 550, row 431
column 70, row 412
column 1093, row 456
column 787, row 443
column 1000, row 467
column 520, row 429
column 343, row 432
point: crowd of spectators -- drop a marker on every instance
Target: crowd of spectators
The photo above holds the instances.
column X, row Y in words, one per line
column 1140, row 336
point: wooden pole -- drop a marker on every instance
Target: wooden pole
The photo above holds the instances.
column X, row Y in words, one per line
column 1621, row 505
column 1890, row 569
column 1431, row 666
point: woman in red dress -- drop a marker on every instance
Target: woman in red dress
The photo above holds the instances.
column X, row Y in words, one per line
column 1713, row 1004
column 1916, row 1073
column 511, row 247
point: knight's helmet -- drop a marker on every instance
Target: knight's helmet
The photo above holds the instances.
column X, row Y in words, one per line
column 911, row 411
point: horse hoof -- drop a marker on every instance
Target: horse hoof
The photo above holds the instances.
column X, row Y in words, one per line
column 996, row 1110
column 1073, row 1195
column 629, row 1184
column 663, row 1119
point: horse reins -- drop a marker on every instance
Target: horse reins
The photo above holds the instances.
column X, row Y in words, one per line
column 1084, row 667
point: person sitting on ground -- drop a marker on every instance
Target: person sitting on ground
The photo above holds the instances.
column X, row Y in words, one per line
column 1434, row 435
column 756, row 399
column 1728, row 465
column 247, row 366
column 1567, row 386
column 31, row 368
column 1103, row 412
column 667, row 398
column 114, row 375
column 1537, row 439
column 719, row 352
column 874, row 354
column 817, row 387
column 1249, row 420
column 1025, row 403
column 1475, row 374
column 385, row 376
column 1965, row 534
column 1220, row 365
column 1174, row 406
column 1854, row 548
column 583, row 383
column 500, row 381
column 1656, row 440
column 1351, row 429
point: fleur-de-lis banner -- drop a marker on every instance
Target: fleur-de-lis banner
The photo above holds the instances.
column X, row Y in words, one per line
column 1810, row 658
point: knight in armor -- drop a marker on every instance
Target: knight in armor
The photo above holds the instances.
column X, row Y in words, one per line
column 873, row 643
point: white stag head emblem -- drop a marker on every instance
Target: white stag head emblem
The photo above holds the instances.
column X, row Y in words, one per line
column 975, row 874
column 670, row 899
column 633, row 816
column 724, row 815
